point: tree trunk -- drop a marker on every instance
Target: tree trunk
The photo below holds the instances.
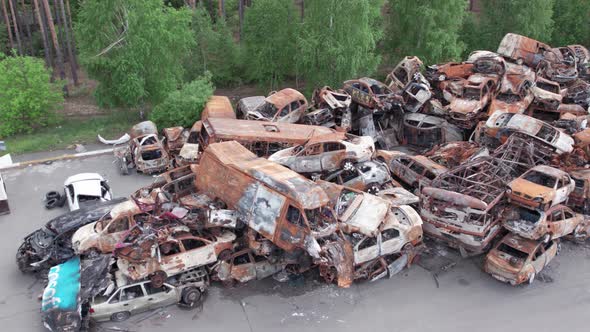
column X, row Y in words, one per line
column 241, row 18
column 7, row 20
column 68, row 42
column 60, row 30
column 15, row 24
column 302, row 10
column 60, row 59
column 73, row 37
column 27, row 25
column 221, row 8
column 43, row 35
column 48, row 38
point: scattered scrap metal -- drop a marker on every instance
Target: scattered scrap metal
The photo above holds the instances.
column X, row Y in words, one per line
column 490, row 156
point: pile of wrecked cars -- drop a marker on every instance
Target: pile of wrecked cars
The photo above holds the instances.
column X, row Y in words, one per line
column 489, row 156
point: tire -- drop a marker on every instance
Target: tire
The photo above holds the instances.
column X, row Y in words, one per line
column 225, row 255
column 373, row 188
column 52, row 194
column 532, row 278
column 61, row 201
column 191, row 295
column 122, row 164
column 120, row 316
column 51, row 203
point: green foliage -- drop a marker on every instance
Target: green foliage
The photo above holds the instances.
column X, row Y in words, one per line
column 133, row 48
column 330, row 50
column 428, row 29
column 269, row 39
column 572, row 25
column 27, row 98
column 215, row 51
column 3, row 38
column 183, row 107
column 531, row 18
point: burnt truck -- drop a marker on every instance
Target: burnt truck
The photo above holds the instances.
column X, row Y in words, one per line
column 288, row 211
column 464, row 206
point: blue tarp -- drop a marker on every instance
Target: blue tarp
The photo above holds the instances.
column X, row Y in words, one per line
column 63, row 287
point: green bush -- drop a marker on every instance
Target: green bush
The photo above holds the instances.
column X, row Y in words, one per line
column 183, row 107
column 27, row 98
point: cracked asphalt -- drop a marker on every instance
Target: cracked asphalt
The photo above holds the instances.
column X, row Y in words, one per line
column 442, row 292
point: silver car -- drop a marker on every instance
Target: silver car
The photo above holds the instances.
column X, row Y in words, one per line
column 139, row 297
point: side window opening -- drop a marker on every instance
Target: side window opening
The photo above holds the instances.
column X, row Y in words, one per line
column 333, row 146
column 150, row 289
column 131, row 293
column 389, row 234
column 285, row 111
column 119, row 225
column 367, row 243
column 294, row 216
column 242, row 259
column 169, row 248
column 190, row 244
column 567, row 214
column 115, row 297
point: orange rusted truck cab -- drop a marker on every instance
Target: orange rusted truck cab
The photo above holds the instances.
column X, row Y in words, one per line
column 522, row 49
column 218, row 107
column 276, row 202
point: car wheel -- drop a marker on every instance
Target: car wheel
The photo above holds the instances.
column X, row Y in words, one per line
column 61, row 201
column 122, row 163
column 120, row 316
column 373, row 188
column 52, row 194
column 532, row 278
column 191, row 295
column 347, row 165
column 51, row 203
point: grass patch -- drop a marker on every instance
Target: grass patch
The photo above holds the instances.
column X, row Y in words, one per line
column 72, row 131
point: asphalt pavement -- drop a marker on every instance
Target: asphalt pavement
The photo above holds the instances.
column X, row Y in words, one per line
column 441, row 293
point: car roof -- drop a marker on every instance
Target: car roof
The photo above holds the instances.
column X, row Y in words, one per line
column 83, row 177
column 284, row 97
column 549, row 170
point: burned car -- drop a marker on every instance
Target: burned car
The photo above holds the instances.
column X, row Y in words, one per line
column 516, row 260
column 554, row 223
column 174, row 139
column 70, row 286
column 244, row 266
column 414, row 171
column 369, row 93
column 404, row 73
column 541, row 187
column 453, row 154
column 287, row 105
column 579, row 198
column 466, row 110
column 327, row 153
column 369, row 176
column 103, row 235
column 514, row 95
column 425, row 131
column 522, row 50
column 547, row 95
column 145, row 151
column 218, row 107
column 51, row 245
column 332, row 109
column 486, row 62
column 177, row 254
column 86, row 189
column 442, row 72
column 501, row 125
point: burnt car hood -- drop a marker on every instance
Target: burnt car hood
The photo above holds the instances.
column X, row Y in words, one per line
column 72, row 220
column 465, row 106
column 529, row 188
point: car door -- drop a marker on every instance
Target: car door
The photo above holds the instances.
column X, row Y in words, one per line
column 292, row 229
column 197, row 252
column 366, row 249
column 539, row 258
column 242, row 268
column 570, row 221
column 133, row 299
column 555, row 221
column 400, row 168
column 294, row 113
column 160, row 297
column 333, row 155
column 562, row 190
column 114, row 233
column 171, row 257
column 309, row 161
column 391, row 241
column 264, row 268
column 415, row 174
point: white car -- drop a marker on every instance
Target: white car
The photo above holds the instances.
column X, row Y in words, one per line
column 86, row 188
column 140, row 297
column 324, row 154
